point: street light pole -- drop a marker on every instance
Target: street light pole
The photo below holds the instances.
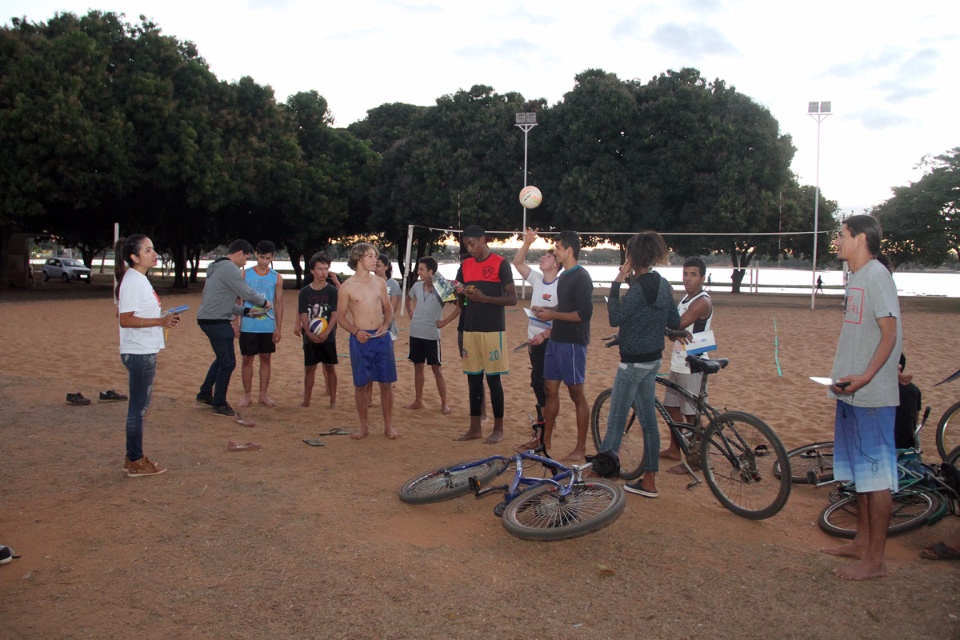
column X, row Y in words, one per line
column 819, row 111
column 525, row 121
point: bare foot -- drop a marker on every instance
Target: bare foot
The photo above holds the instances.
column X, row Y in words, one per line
column 469, row 435
column 266, row 401
column 305, row 403
column 848, row 550
column 670, row 454
column 445, row 410
column 356, row 435
column 861, row 571
column 494, row 437
column 677, row 469
column 245, row 401
column 333, row 405
column 575, row 456
column 391, row 433
column 413, row 405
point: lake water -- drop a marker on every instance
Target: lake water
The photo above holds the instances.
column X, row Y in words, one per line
column 764, row 280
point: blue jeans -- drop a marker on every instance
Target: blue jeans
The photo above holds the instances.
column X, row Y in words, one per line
column 142, row 369
column 221, row 339
column 635, row 385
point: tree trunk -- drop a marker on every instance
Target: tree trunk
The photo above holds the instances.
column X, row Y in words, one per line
column 737, row 279
column 179, row 265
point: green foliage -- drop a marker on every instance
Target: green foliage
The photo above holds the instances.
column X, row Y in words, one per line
column 920, row 222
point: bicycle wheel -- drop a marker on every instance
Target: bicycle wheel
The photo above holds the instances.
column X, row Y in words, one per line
column 910, row 511
column 948, row 435
column 542, row 514
column 739, row 452
column 816, row 457
column 451, row 481
column 631, row 447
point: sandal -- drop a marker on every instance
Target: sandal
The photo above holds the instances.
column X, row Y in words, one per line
column 249, row 446
column 940, row 551
column 111, row 396
column 337, row 431
column 77, row 399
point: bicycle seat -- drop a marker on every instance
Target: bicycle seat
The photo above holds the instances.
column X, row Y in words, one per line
column 702, row 365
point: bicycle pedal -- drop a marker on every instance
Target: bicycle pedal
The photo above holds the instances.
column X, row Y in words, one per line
column 479, row 493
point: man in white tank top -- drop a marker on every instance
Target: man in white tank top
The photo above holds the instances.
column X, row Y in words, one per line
column 696, row 315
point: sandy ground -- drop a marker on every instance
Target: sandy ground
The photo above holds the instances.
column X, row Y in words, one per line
column 299, row 542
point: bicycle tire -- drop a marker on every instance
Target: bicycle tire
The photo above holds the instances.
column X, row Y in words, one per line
column 738, row 453
column 442, row 484
column 948, row 436
column 816, row 457
column 910, row 511
column 540, row 514
column 631, row 447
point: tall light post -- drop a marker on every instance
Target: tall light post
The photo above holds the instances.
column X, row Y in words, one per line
column 526, row 121
column 819, row 111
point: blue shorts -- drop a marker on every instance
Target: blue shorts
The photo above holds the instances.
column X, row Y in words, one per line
column 863, row 447
column 565, row 361
column 372, row 361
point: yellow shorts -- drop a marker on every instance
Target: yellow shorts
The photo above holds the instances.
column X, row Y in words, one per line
column 484, row 352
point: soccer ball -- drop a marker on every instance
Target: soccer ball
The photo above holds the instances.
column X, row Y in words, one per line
column 318, row 325
column 530, row 197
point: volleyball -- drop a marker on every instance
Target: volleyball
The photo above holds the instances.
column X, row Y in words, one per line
column 530, row 197
column 318, row 325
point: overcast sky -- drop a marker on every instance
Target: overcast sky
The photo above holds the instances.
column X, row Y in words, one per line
column 889, row 68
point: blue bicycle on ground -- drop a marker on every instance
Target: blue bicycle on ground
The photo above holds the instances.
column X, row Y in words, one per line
column 557, row 503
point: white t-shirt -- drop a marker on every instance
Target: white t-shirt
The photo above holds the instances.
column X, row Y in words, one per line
column 544, row 294
column 137, row 295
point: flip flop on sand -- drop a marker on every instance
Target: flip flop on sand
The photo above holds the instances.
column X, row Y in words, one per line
column 249, row 446
column 940, row 551
column 246, row 422
column 335, row 432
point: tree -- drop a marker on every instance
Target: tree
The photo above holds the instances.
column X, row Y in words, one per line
column 920, row 222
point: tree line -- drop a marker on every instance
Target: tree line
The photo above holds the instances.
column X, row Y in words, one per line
column 107, row 121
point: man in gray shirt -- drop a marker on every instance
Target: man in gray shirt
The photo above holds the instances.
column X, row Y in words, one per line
column 425, row 308
column 865, row 388
column 224, row 284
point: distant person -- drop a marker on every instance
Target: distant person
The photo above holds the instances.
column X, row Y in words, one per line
column 544, row 296
column 696, row 315
column 142, row 325
column 426, row 310
column 566, row 357
column 259, row 335
column 643, row 315
column 868, row 353
column 218, row 305
column 488, row 288
column 819, row 285
column 366, row 312
column 319, row 300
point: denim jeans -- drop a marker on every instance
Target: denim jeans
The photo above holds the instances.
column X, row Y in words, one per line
column 635, row 385
column 221, row 339
column 142, row 369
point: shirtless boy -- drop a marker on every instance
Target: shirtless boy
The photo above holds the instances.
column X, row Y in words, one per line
column 366, row 313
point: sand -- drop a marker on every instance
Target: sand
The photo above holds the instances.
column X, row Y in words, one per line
column 299, row 541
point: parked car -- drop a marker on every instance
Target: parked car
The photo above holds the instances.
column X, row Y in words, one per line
column 66, row 269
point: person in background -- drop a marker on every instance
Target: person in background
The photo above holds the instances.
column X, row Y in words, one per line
column 218, row 305
column 142, row 325
column 260, row 334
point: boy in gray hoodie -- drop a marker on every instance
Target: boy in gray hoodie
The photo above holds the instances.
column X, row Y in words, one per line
column 224, row 285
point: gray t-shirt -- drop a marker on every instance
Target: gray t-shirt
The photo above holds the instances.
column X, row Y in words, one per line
column 871, row 295
column 423, row 323
column 393, row 290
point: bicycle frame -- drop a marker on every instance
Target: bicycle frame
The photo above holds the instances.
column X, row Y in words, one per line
column 520, row 482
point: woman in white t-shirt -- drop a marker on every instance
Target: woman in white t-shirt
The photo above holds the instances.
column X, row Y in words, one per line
column 142, row 325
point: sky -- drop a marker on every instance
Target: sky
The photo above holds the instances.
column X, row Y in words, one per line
column 887, row 68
